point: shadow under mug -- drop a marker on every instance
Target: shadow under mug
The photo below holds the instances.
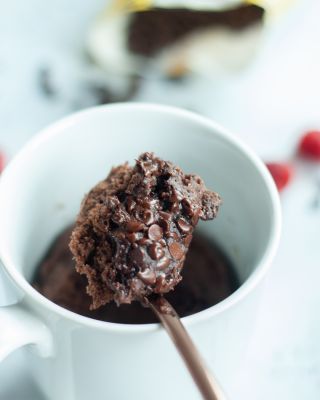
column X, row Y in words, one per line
column 76, row 358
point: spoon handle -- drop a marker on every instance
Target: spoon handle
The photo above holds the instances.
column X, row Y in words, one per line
column 207, row 384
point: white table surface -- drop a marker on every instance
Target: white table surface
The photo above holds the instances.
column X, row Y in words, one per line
column 268, row 106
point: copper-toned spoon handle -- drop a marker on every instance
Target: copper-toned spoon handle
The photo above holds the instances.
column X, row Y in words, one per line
column 205, row 381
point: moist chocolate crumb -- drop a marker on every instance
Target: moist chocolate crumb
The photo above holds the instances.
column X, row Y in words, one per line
column 134, row 229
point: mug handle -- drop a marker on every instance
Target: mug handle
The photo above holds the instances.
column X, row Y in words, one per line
column 19, row 327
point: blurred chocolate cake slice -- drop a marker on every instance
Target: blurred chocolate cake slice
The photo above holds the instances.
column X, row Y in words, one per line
column 175, row 41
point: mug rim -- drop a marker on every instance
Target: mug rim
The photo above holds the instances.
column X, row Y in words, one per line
column 215, row 129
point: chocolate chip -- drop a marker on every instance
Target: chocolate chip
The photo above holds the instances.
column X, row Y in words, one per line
column 174, row 236
column 165, row 225
column 187, row 208
column 134, row 226
column 156, row 251
column 184, row 226
column 174, row 207
column 147, row 276
column 176, row 250
column 163, row 263
column 164, row 215
column 155, row 232
column 144, row 242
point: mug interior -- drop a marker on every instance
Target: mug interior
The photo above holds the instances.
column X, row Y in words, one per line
column 41, row 191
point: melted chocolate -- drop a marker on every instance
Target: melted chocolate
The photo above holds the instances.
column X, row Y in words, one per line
column 208, row 278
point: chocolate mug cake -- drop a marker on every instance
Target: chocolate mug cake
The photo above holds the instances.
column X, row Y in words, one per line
column 131, row 240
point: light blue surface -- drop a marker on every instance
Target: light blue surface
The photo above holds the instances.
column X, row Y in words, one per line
column 268, row 106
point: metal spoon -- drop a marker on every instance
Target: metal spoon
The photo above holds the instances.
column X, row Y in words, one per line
column 207, row 384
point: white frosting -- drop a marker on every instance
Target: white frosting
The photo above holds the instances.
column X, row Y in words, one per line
column 215, row 51
column 205, row 51
column 107, row 44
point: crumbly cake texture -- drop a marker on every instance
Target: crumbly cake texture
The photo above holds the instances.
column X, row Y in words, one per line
column 134, row 229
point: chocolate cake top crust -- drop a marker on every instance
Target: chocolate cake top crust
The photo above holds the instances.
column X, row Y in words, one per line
column 135, row 227
column 152, row 30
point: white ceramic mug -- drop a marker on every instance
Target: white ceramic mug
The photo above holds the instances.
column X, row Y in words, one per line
column 76, row 358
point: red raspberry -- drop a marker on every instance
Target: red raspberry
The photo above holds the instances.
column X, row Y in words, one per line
column 2, row 161
column 282, row 174
column 310, row 145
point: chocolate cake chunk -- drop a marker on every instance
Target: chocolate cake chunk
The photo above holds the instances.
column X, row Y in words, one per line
column 152, row 30
column 135, row 227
